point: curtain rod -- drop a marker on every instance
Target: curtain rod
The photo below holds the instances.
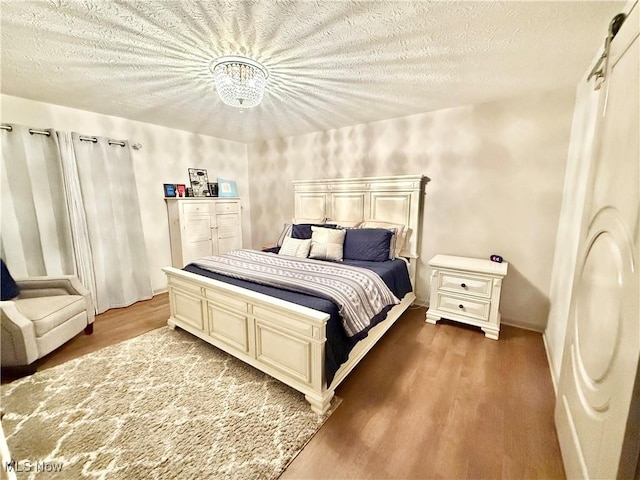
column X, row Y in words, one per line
column 33, row 131
column 95, row 140
column 39, row 132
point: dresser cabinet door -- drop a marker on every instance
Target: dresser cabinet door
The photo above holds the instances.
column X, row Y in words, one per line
column 196, row 237
column 203, row 227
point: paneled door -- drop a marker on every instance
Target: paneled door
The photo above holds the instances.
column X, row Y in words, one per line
column 602, row 346
column 197, row 236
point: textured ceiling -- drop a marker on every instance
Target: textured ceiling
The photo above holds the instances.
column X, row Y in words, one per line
column 331, row 63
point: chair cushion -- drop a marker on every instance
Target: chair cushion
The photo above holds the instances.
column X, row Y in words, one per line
column 9, row 286
column 47, row 313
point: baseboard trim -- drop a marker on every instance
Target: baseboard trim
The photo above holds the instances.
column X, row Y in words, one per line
column 524, row 326
column 420, row 302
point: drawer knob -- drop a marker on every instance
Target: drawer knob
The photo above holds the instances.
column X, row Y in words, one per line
column 463, row 285
column 460, row 306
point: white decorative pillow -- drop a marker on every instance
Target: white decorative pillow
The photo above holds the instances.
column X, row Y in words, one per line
column 400, row 236
column 327, row 243
column 295, row 247
column 286, row 232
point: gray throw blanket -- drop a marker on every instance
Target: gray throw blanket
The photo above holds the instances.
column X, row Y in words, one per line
column 360, row 294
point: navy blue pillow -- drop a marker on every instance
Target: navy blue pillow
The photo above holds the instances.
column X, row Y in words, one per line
column 303, row 230
column 368, row 244
column 9, row 286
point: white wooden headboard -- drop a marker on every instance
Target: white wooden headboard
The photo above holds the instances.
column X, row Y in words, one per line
column 349, row 201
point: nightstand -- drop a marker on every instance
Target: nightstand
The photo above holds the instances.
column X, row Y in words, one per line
column 467, row 290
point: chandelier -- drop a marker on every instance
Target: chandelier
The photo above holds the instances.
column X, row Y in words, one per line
column 240, row 81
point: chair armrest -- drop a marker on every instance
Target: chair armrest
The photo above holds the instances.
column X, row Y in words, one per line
column 18, row 337
column 66, row 284
column 31, row 287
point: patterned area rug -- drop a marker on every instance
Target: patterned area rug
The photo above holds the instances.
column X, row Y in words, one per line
column 164, row 405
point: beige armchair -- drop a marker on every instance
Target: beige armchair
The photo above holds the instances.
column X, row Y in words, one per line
column 48, row 312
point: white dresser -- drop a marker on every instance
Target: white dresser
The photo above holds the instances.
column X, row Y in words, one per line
column 467, row 290
column 199, row 227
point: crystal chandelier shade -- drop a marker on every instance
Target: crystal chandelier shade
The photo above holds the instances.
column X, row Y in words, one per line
column 240, row 81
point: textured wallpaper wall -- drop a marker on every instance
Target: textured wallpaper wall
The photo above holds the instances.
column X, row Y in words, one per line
column 496, row 172
column 165, row 156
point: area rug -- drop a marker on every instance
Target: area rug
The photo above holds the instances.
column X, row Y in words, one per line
column 164, row 405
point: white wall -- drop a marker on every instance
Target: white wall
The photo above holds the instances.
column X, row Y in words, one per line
column 165, row 156
column 496, row 172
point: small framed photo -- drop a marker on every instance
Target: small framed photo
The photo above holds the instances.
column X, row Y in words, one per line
column 227, row 188
column 181, row 190
column 199, row 181
column 169, row 190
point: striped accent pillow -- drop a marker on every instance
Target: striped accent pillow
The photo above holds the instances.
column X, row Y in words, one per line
column 286, row 232
column 295, row 247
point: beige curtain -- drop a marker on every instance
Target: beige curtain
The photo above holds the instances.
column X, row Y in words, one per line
column 113, row 224
column 36, row 233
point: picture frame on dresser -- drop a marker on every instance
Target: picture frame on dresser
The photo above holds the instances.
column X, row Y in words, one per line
column 199, row 180
column 169, row 190
column 227, row 188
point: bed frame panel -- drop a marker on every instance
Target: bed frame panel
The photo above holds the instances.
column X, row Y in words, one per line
column 281, row 338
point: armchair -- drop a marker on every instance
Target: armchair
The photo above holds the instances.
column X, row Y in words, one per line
column 47, row 313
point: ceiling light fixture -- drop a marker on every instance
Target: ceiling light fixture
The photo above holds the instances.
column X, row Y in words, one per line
column 240, row 81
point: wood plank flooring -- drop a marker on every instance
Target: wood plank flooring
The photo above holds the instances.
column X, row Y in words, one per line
column 111, row 327
column 429, row 401
column 441, row 401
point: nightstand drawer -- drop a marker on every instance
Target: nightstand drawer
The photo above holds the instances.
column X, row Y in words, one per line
column 464, row 283
column 477, row 309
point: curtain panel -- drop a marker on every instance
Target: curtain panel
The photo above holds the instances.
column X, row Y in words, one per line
column 114, row 226
column 79, row 228
column 36, row 232
column 70, row 207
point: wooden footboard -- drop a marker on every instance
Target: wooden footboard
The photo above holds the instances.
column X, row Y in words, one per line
column 280, row 338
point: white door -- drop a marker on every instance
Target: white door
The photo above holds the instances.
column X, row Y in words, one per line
column 602, row 346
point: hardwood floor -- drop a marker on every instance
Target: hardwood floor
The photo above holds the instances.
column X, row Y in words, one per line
column 111, row 327
column 441, row 401
column 429, row 401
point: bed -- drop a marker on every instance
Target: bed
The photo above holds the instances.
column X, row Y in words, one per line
column 284, row 339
